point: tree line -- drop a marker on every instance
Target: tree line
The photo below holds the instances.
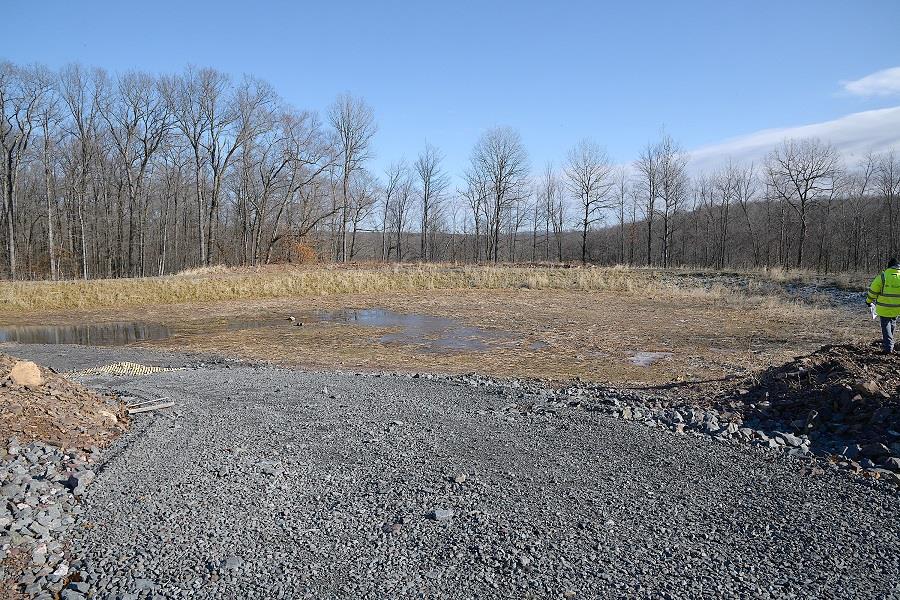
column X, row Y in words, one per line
column 139, row 175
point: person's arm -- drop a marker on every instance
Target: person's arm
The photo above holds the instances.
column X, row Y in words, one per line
column 875, row 289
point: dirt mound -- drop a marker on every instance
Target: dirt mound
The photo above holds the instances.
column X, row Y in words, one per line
column 52, row 409
column 839, row 396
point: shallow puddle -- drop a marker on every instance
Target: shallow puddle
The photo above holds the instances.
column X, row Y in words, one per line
column 428, row 333
column 435, row 334
column 645, row 359
column 97, row 334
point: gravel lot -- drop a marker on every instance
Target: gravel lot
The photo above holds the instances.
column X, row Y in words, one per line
column 274, row 483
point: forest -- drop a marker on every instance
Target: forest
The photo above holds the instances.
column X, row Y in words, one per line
column 134, row 175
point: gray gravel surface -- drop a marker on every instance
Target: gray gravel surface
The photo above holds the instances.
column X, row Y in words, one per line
column 270, row 483
column 39, row 487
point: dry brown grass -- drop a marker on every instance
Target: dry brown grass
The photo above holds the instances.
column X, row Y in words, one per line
column 220, row 283
column 780, row 275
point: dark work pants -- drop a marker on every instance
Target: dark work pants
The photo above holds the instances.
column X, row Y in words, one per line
column 887, row 333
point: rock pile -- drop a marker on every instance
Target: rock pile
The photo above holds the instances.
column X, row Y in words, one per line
column 41, row 414
column 685, row 418
column 37, row 404
column 40, row 486
column 845, row 400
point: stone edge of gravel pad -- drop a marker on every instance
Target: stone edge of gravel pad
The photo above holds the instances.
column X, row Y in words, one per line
column 542, row 396
column 41, row 486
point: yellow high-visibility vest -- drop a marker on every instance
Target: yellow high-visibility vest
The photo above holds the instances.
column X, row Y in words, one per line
column 885, row 293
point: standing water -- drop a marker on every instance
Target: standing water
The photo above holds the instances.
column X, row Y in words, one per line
column 434, row 333
column 97, row 334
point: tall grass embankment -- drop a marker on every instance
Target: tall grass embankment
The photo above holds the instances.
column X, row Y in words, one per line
column 219, row 284
column 215, row 284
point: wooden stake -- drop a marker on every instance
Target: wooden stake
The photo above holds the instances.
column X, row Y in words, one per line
column 145, row 402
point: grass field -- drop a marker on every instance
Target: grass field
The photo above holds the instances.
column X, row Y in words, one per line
column 216, row 284
column 551, row 322
column 291, row 281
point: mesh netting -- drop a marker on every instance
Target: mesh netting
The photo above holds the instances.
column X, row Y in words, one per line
column 120, row 369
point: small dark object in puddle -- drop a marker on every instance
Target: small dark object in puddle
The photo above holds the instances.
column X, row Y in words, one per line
column 97, row 334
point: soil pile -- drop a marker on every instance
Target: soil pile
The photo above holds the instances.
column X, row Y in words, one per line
column 845, row 398
column 37, row 404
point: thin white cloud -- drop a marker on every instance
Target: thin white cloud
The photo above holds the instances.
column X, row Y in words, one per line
column 880, row 83
column 852, row 135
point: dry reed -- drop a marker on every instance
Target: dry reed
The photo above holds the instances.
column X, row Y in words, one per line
column 220, row 283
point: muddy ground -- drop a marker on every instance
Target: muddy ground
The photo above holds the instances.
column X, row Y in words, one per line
column 688, row 332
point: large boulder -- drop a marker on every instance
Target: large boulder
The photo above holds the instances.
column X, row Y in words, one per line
column 27, row 373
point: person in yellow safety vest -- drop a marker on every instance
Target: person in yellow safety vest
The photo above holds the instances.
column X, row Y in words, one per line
column 884, row 293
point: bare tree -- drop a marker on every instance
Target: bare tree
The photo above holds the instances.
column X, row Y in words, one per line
column 802, row 172
column 889, row 187
column 364, row 192
column 476, row 197
column 704, row 193
column 589, row 178
column 175, row 161
column 136, row 174
column 233, row 119
column 518, row 214
column 672, row 187
column 553, row 200
column 50, row 118
column 402, row 208
column 647, row 171
column 24, row 92
column 432, row 183
column 745, row 187
column 354, row 126
column 82, row 93
column 726, row 183
column 310, row 154
column 394, row 212
column 622, row 194
column 138, row 121
column 500, row 162
column 186, row 95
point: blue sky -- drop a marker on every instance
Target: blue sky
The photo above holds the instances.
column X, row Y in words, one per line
column 708, row 71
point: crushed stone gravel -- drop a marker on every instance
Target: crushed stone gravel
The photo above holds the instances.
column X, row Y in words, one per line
column 265, row 482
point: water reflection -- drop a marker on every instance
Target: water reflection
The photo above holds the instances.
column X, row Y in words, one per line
column 437, row 334
column 97, row 334
column 428, row 333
